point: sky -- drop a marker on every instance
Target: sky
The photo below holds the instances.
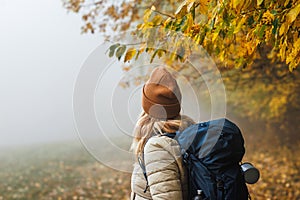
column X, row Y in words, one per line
column 41, row 50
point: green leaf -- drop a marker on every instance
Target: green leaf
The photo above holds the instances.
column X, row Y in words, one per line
column 260, row 15
column 137, row 55
column 262, row 31
column 275, row 26
column 177, row 25
column 212, row 24
column 149, row 49
column 169, row 25
column 250, row 21
column 273, row 12
column 183, row 25
column 120, row 51
column 183, row 21
column 153, row 55
column 112, row 49
column 193, row 12
column 202, row 37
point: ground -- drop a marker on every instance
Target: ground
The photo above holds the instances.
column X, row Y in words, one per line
column 67, row 171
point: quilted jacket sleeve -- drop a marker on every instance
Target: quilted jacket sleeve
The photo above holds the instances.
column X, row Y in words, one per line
column 162, row 168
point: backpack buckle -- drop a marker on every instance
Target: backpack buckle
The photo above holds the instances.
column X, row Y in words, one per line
column 220, row 184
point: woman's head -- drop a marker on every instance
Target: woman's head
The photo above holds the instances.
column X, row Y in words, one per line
column 161, row 96
column 161, row 99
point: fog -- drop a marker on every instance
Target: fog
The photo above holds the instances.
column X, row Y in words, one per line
column 41, row 50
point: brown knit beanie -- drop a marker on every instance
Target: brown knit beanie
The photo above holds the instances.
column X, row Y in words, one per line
column 161, row 96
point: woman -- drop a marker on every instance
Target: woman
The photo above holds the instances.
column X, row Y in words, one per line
column 157, row 154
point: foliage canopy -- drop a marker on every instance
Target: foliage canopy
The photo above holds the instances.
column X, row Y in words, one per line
column 255, row 43
column 234, row 31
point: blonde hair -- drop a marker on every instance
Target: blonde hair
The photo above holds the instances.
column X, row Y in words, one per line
column 147, row 126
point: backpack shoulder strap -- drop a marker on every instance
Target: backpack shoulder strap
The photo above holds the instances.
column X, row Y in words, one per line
column 170, row 135
column 143, row 167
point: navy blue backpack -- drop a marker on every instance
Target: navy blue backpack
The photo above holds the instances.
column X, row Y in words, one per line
column 212, row 152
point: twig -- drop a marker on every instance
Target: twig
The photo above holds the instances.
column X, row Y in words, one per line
column 165, row 14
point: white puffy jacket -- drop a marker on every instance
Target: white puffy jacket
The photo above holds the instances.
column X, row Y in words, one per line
column 167, row 177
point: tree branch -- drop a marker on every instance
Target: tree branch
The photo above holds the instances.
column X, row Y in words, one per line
column 165, row 14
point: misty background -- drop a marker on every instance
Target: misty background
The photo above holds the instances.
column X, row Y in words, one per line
column 41, row 50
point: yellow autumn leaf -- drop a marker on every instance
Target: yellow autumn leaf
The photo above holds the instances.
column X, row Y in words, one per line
column 246, row 4
column 167, row 21
column 282, row 50
column 268, row 16
column 293, row 13
column 126, row 68
column 157, row 20
column 297, row 45
column 147, row 14
column 189, row 22
column 129, row 54
column 141, row 50
column 143, row 47
column 284, row 28
column 286, row 3
column 160, row 53
column 190, row 5
column 215, row 35
column 180, row 7
column 294, row 52
column 197, row 38
column 259, row 2
column 239, row 26
column 203, row 6
column 222, row 56
column 235, row 3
